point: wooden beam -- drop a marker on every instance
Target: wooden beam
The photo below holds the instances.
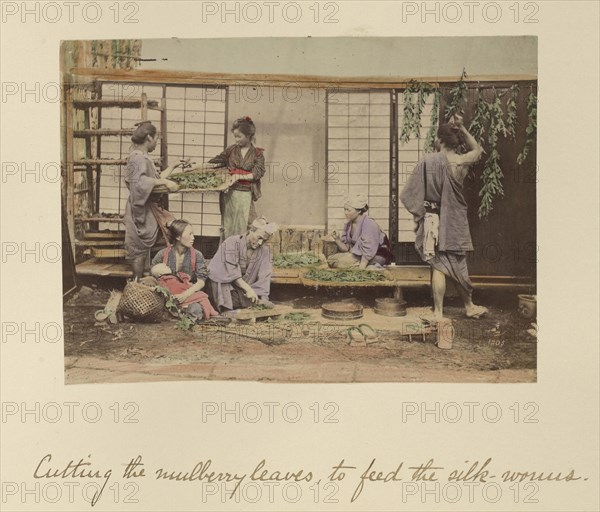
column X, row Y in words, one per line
column 134, row 104
column 99, row 218
column 106, row 161
column 99, row 243
column 278, row 80
column 101, row 132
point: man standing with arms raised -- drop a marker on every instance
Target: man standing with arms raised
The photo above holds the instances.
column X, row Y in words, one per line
column 434, row 196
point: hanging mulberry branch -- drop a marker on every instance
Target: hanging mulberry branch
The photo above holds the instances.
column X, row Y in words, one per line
column 492, row 172
column 435, row 118
column 531, row 129
column 413, row 109
column 492, row 183
column 497, row 115
column 408, row 115
column 511, row 111
column 423, row 93
column 457, row 97
column 481, row 118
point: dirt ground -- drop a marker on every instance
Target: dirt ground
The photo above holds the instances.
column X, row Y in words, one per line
column 495, row 348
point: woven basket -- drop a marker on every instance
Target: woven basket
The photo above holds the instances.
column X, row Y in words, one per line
column 142, row 303
column 162, row 189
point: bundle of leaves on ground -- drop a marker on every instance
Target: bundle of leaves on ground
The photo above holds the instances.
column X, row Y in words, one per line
column 296, row 316
column 198, row 180
column 346, row 275
column 291, row 260
column 185, row 323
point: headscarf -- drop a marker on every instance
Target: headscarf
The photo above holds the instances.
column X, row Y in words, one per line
column 267, row 227
column 356, row 201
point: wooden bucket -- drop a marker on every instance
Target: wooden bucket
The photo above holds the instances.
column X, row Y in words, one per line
column 342, row 310
column 390, row 307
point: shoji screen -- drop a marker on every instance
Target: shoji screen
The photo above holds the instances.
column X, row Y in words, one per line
column 196, row 118
column 113, row 192
column 196, row 129
column 358, row 153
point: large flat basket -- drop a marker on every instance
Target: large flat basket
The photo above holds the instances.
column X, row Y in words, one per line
column 221, row 173
column 341, row 282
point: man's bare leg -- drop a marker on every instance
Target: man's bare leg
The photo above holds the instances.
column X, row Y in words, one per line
column 472, row 310
column 466, row 297
column 438, row 286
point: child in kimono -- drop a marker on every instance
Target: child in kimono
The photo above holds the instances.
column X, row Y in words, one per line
column 246, row 164
column 197, row 306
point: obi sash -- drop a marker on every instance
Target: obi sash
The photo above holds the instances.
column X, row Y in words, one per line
column 242, row 172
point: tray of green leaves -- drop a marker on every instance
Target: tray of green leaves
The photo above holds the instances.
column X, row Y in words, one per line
column 294, row 260
column 346, row 277
column 202, row 181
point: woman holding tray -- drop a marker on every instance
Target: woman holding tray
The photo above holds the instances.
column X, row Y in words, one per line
column 246, row 164
column 143, row 214
column 362, row 243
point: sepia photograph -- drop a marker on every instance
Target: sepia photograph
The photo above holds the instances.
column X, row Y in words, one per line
column 299, row 209
column 299, row 255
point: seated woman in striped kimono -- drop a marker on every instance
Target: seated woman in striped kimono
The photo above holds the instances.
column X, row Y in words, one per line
column 362, row 244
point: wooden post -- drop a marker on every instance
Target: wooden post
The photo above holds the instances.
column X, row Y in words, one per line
column 394, row 172
column 69, row 158
column 164, row 150
column 144, row 106
column 398, row 295
column 98, row 151
column 163, row 131
column 88, row 171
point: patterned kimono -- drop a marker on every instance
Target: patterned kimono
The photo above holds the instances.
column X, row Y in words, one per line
column 199, row 272
column 141, row 227
column 180, row 281
column 230, row 263
column 454, row 237
column 237, row 205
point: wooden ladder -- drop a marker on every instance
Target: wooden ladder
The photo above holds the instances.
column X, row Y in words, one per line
column 105, row 247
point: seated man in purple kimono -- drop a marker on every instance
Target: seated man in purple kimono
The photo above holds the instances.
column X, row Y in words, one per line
column 434, row 195
column 240, row 271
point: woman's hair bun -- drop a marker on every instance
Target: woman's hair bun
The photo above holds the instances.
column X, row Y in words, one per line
column 245, row 125
column 142, row 130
